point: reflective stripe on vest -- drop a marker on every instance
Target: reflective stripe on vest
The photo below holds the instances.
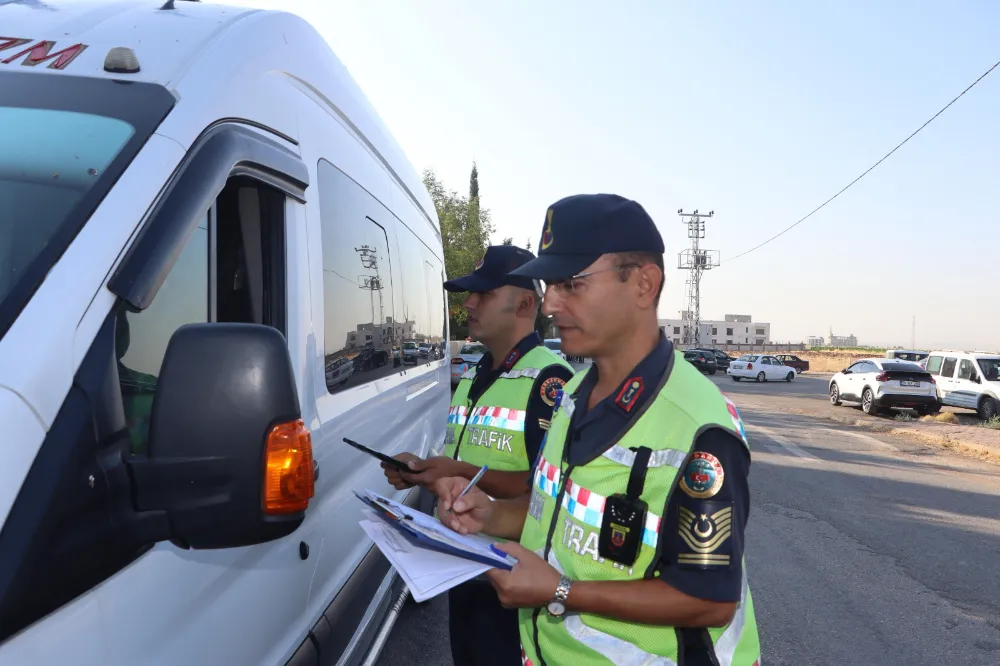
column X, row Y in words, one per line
column 623, row 653
column 584, row 505
column 488, row 417
column 492, row 430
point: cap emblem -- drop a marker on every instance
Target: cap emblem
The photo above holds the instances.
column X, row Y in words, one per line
column 547, row 236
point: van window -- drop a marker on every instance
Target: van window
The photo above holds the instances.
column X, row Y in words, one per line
column 965, row 369
column 49, row 161
column 64, row 142
column 141, row 337
column 948, row 369
column 436, row 308
column 360, row 327
column 415, row 288
column 934, row 365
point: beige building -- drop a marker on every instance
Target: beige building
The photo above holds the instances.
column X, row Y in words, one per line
column 733, row 329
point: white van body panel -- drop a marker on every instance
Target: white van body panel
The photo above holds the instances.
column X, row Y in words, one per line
column 273, row 72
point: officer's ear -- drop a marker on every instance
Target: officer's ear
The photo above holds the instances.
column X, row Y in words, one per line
column 650, row 282
column 527, row 303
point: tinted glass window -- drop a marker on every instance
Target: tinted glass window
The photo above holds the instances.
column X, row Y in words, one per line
column 359, row 325
column 965, row 369
column 141, row 338
column 436, row 308
column 934, row 365
column 948, row 368
column 48, row 161
column 413, row 271
column 901, row 367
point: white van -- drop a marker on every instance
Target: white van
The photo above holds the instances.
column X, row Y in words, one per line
column 199, row 215
column 970, row 380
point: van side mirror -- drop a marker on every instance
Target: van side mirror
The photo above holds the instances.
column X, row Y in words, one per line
column 230, row 462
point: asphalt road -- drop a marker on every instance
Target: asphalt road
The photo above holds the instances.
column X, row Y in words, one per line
column 861, row 550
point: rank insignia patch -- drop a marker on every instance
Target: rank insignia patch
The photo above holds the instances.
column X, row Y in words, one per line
column 705, row 535
column 629, row 394
column 703, row 476
column 550, row 390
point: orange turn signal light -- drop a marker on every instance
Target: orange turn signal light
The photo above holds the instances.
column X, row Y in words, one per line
column 289, row 481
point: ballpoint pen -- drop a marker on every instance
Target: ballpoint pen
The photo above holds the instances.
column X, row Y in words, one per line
column 468, row 487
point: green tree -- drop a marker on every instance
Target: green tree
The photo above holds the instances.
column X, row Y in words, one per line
column 474, row 183
column 508, row 241
column 466, row 228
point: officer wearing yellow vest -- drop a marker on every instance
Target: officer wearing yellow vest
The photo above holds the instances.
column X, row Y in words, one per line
column 631, row 538
column 498, row 417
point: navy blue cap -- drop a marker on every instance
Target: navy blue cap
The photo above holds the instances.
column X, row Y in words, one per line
column 493, row 271
column 580, row 228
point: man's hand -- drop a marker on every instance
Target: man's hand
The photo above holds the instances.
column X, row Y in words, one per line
column 467, row 515
column 394, row 476
column 531, row 583
column 427, row 472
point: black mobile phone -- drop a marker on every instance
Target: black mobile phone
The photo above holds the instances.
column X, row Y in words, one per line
column 398, row 464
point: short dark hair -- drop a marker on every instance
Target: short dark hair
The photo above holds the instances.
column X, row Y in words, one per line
column 643, row 258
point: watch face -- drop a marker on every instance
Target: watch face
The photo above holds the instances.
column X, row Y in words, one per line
column 556, row 608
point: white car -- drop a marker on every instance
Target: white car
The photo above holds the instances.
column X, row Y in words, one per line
column 338, row 371
column 760, row 367
column 882, row 384
column 466, row 358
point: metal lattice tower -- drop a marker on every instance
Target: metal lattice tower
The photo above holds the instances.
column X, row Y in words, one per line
column 696, row 260
column 372, row 283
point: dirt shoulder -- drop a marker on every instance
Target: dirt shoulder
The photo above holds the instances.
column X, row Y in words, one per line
column 971, row 440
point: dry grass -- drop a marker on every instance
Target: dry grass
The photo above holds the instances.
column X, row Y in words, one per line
column 831, row 361
column 992, row 424
column 943, row 417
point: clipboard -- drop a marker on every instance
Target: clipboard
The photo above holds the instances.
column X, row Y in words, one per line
column 403, row 523
column 398, row 464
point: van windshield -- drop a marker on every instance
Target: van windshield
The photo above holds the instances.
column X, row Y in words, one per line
column 49, row 159
column 64, row 141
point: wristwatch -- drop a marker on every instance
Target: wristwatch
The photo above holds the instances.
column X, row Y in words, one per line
column 557, row 606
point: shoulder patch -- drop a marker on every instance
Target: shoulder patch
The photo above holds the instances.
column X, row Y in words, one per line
column 550, row 388
column 734, row 414
column 512, row 358
column 704, row 534
column 629, row 393
column 703, row 476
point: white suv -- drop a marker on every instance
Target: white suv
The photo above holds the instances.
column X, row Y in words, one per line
column 970, row 380
column 882, row 384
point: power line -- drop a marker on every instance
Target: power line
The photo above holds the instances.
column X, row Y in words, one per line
column 870, row 169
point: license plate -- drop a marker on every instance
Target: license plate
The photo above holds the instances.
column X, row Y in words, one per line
column 906, row 383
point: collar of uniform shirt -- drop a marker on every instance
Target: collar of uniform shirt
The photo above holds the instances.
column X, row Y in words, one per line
column 593, row 431
column 486, row 375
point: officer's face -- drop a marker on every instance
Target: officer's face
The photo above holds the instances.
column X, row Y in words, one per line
column 595, row 310
column 491, row 313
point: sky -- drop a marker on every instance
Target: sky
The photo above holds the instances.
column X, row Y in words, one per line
column 758, row 111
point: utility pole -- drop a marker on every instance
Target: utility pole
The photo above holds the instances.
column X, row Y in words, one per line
column 696, row 260
column 372, row 283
